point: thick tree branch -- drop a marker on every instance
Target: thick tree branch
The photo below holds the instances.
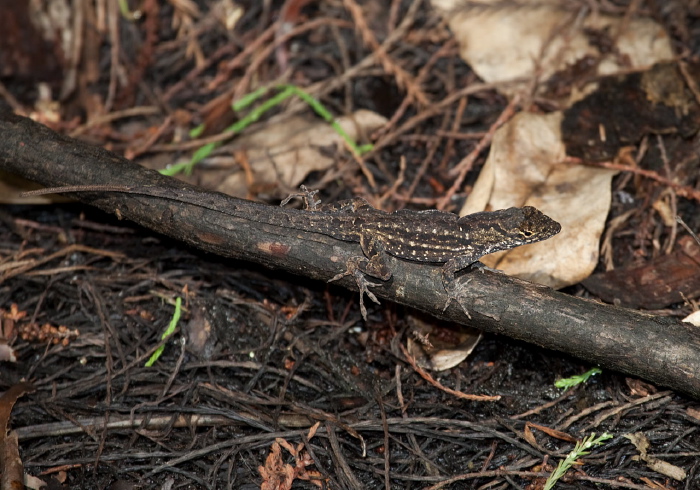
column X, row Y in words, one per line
column 659, row 349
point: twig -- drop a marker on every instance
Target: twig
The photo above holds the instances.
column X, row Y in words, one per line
column 467, row 163
column 403, row 79
column 681, row 190
column 433, row 382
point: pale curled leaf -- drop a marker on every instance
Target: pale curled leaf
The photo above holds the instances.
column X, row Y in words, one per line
column 526, row 167
column 521, row 40
column 641, row 442
column 285, row 152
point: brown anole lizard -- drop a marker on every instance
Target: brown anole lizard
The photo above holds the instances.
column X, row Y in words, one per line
column 430, row 236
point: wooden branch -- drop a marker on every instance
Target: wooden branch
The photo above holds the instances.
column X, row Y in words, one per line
column 659, row 349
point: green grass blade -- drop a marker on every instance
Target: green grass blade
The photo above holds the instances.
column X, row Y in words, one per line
column 168, row 332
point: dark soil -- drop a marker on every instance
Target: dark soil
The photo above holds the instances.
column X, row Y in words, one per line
column 259, row 357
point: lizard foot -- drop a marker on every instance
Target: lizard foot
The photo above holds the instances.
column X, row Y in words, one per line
column 453, row 294
column 308, row 196
column 362, row 283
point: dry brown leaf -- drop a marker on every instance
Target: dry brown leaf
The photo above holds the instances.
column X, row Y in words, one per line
column 11, row 467
column 693, row 412
column 7, row 401
column 201, row 334
column 522, row 39
column 525, row 168
column 7, row 353
column 552, row 432
column 33, row 483
column 529, row 436
column 642, row 444
column 278, row 475
column 525, row 40
column 12, row 185
column 283, row 154
column 693, row 318
column 437, row 348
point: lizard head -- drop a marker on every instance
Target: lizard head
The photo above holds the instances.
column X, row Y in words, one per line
column 508, row 228
column 531, row 224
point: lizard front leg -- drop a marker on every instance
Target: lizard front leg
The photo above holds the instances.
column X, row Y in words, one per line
column 310, row 203
column 374, row 266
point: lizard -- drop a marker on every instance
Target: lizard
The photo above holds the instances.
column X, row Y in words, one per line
column 429, row 236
